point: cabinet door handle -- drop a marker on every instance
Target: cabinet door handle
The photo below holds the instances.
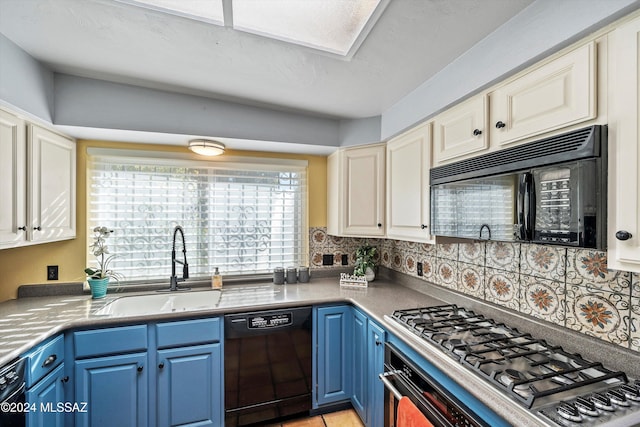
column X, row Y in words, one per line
column 477, row 132
column 500, row 125
column 379, row 224
column 49, row 360
column 623, row 235
column 38, row 228
column 140, row 368
column 23, row 228
column 160, row 365
column 65, row 379
column 378, row 342
column 423, row 226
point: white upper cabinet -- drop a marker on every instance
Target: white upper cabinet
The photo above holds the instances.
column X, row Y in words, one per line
column 37, row 184
column 460, row 132
column 356, row 197
column 13, row 180
column 52, row 186
column 623, row 235
column 549, row 97
column 408, row 164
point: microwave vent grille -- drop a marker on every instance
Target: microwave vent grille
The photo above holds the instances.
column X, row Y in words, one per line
column 575, row 145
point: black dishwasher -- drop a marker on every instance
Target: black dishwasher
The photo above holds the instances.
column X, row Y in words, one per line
column 267, row 365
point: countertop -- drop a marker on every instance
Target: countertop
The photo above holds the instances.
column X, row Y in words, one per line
column 25, row 322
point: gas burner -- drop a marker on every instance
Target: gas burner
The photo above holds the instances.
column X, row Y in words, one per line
column 510, row 376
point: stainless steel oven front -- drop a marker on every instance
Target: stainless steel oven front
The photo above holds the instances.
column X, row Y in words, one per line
column 402, row 377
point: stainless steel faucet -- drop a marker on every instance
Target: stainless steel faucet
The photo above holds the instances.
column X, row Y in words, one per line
column 185, row 267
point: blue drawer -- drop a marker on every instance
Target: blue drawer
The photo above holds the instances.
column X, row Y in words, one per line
column 43, row 359
column 188, row 332
column 102, row 342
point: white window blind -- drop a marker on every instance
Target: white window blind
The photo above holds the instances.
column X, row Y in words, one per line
column 242, row 218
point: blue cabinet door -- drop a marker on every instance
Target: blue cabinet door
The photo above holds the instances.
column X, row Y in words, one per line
column 115, row 390
column 359, row 363
column 375, row 388
column 333, row 341
column 45, row 397
column 190, row 386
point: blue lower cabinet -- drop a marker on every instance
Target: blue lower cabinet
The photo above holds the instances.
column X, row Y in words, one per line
column 332, row 370
column 45, row 398
column 115, row 390
column 190, row 386
column 359, row 364
column 375, row 389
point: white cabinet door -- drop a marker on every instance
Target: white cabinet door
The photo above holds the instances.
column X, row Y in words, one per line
column 408, row 164
column 364, row 177
column 624, row 149
column 52, row 186
column 12, row 180
column 460, row 132
column 552, row 96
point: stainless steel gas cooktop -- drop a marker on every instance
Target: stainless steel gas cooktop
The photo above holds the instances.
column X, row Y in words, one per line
column 555, row 385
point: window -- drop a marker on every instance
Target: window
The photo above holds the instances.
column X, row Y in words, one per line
column 245, row 218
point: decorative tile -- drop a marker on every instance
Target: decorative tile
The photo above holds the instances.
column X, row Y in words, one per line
column 318, row 236
column 587, row 267
column 316, row 259
column 547, row 262
column 471, row 253
column 427, row 249
column 409, row 265
column 447, row 251
column 598, row 313
column 396, row 261
column 385, row 258
column 429, row 267
column 336, row 240
column 544, row 299
column 503, row 256
column 634, row 324
column 471, row 279
column 501, row 287
column 447, row 273
column 635, row 285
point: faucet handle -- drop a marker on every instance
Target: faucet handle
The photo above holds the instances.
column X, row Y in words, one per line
column 185, row 271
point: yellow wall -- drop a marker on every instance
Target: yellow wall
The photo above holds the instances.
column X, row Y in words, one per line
column 27, row 265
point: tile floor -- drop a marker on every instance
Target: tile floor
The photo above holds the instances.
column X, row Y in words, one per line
column 347, row 418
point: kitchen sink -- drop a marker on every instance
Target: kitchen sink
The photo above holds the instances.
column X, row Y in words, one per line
column 161, row 303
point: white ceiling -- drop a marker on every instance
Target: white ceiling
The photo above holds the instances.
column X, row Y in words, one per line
column 105, row 39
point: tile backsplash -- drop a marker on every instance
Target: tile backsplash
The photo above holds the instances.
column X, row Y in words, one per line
column 566, row 286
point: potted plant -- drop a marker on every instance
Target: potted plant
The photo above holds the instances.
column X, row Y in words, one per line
column 98, row 278
column 365, row 262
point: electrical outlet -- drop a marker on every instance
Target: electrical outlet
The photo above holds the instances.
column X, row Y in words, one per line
column 327, row 259
column 419, row 268
column 345, row 259
column 52, row 272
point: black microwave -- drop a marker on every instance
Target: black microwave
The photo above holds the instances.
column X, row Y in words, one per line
column 551, row 191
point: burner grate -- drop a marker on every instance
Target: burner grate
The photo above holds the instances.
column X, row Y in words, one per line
column 527, row 368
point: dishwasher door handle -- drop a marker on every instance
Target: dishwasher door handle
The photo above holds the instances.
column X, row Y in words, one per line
column 384, row 377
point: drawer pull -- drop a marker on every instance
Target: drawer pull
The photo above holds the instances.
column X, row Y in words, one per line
column 140, row 368
column 49, row 360
column 65, row 379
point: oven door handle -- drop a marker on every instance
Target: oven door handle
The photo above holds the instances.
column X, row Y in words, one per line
column 384, row 377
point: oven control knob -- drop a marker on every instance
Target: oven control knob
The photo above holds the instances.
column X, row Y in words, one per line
column 617, row 397
column 631, row 392
column 586, row 406
column 601, row 401
column 568, row 412
column 3, row 383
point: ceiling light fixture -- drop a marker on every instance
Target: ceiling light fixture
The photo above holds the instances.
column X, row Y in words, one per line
column 206, row 147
